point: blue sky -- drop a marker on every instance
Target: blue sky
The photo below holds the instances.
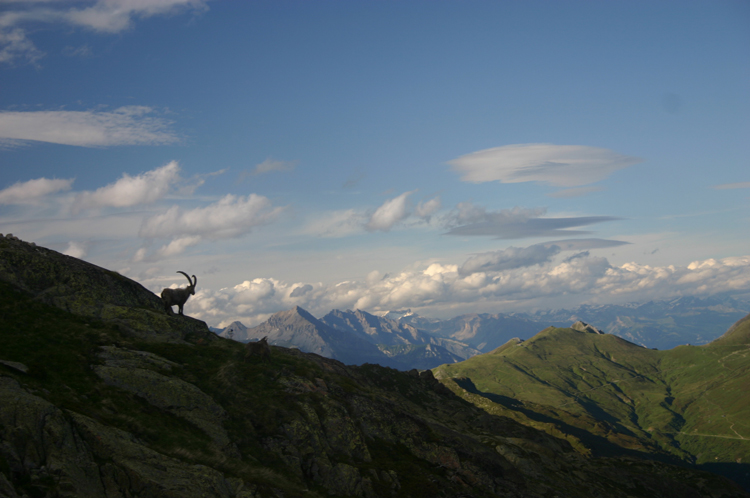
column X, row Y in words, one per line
column 446, row 157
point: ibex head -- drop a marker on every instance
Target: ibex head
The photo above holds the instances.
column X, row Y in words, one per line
column 193, row 283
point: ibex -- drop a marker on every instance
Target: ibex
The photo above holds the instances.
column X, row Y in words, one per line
column 178, row 297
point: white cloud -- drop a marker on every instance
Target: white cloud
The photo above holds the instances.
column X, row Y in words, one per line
column 177, row 246
column 428, row 208
column 440, row 287
column 558, row 165
column 230, row 217
column 33, row 190
column 508, row 259
column 131, row 125
column 104, row 16
column 389, row 213
column 129, row 190
column 343, row 223
column 112, row 16
column 15, row 45
column 76, row 249
column 301, row 290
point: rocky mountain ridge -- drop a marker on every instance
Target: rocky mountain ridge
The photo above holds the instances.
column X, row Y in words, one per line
column 354, row 337
column 107, row 404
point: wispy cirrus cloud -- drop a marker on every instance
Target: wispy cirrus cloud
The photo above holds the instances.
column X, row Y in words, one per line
column 32, row 191
column 726, row 186
column 271, row 165
column 557, row 165
column 574, row 192
column 130, row 125
column 102, row 16
column 335, row 224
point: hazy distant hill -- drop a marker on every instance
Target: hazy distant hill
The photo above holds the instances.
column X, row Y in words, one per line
column 483, row 331
column 690, row 401
column 659, row 324
column 655, row 324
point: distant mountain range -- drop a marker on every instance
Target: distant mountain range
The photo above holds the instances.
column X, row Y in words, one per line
column 659, row 324
column 404, row 340
column 355, row 338
column 655, row 324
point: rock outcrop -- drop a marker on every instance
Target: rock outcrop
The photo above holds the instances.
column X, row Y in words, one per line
column 88, row 290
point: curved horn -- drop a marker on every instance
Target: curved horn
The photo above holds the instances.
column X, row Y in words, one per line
column 195, row 280
column 186, row 276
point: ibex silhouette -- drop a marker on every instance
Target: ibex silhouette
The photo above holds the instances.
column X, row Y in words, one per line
column 178, row 297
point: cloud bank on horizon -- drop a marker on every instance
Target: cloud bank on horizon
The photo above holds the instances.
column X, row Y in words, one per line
column 148, row 137
column 527, row 275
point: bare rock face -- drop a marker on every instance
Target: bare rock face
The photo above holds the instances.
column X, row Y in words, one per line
column 585, row 327
column 136, row 372
column 85, row 458
column 39, row 441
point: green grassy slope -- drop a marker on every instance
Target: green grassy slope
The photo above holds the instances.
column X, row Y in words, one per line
column 690, row 401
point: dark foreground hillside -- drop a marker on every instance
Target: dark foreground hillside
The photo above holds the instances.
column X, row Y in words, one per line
column 104, row 395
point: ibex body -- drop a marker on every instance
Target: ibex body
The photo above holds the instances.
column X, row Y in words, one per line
column 178, row 297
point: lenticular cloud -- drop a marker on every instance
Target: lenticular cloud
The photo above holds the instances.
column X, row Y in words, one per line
column 558, row 165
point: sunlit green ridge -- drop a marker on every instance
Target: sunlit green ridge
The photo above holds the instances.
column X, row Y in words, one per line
column 689, row 401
